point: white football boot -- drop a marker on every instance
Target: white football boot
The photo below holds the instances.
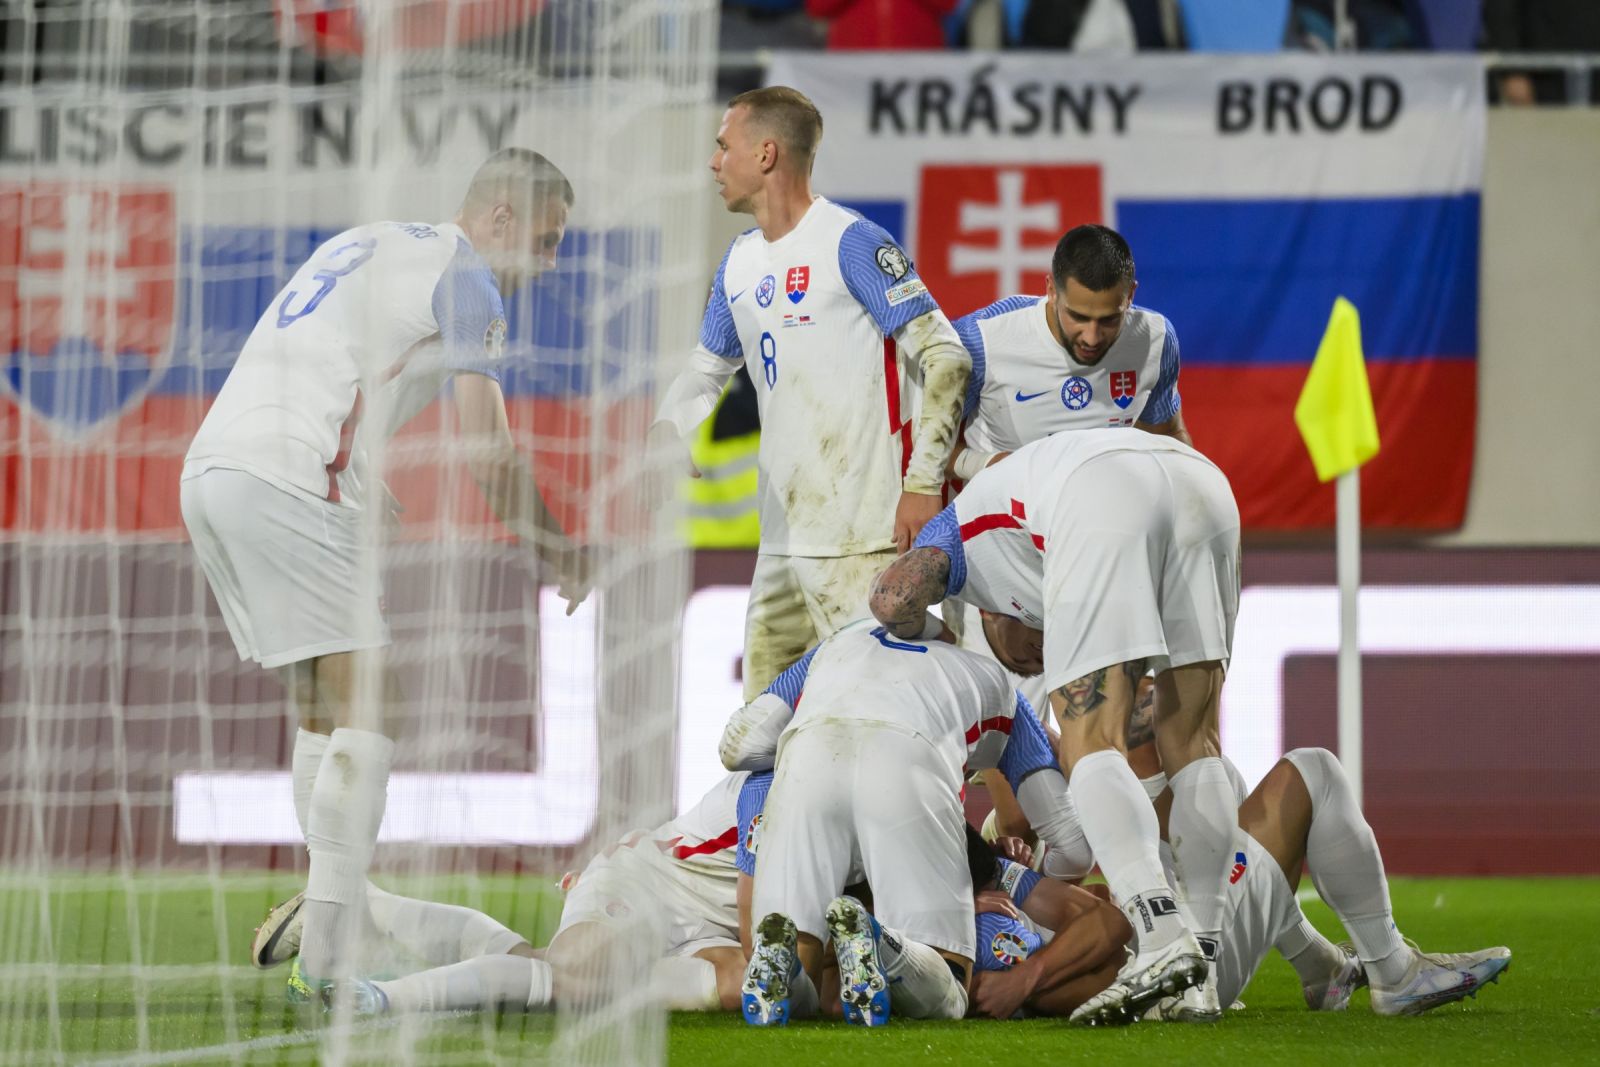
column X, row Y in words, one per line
column 1436, row 978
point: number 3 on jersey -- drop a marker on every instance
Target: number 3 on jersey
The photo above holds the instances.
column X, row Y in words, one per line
column 342, row 261
column 769, row 359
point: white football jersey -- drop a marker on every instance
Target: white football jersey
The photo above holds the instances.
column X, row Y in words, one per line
column 1025, row 385
column 959, row 700
column 360, row 340
column 705, row 837
column 813, row 314
column 996, row 531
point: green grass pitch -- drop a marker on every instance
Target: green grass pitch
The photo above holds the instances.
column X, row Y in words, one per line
column 194, row 1008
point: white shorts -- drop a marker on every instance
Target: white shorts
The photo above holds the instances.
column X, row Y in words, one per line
column 684, row 910
column 1141, row 561
column 284, row 568
column 1258, row 908
column 853, row 799
column 796, row 601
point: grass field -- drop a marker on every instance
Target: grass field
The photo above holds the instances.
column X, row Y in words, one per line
column 170, row 996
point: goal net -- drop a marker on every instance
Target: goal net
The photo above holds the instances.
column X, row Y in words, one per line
column 165, row 167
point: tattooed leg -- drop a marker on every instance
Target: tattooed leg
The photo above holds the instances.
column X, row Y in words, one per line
column 1188, row 700
column 1094, row 711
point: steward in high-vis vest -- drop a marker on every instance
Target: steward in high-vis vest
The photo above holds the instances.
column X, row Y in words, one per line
column 721, row 504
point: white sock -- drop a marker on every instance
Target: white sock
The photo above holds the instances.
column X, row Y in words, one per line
column 509, row 983
column 804, row 1001
column 437, row 933
column 921, row 983
column 307, row 758
column 341, row 834
column 1154, row 785
column 1202, row 829
column 1311, row 954
column 687, row 983
column 1347, row 868
column 1125, row 838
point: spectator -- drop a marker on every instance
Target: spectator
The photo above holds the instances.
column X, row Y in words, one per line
column 1541, row 26
column 904, row 24
column 1374, row 26
column 1078, row 25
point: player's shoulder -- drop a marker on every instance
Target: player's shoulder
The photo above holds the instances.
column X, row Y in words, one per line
column 1006, row 306
column 1149, row 324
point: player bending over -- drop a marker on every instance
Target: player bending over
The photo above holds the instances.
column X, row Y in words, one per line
column 867, row 787
column 674, row 896
column 1303, row 813
column 276, row 481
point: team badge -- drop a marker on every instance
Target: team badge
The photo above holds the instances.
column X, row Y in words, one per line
column 1076, row 392
column 796, row 282
column 494, row 340
column 752, row 836
column 1124, row 384
column 1239, row 865
column 88, row 302
column 892, row 262
column 1008, row 948
column 766, row 290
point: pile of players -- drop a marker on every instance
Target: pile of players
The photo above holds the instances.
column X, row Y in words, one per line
column 1091, row 556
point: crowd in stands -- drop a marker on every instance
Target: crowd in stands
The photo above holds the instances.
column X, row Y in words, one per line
column 1522, row 26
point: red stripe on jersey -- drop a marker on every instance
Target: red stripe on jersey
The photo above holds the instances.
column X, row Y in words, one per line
column 891, row 385
column 727, row 839
column 995, row 520
column 341, row 459
column 1001, row 723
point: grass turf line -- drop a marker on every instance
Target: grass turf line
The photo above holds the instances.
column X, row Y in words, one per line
column 1546, row 1010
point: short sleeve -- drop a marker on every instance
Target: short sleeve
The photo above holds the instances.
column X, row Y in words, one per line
column 1027, row 749
column 1003, row 942
column 470, row 314
column 1164, row 401
column 718, row 333
column 1017, row 881
column 971, row 335
column 943, row 532
column 881, row 277
column 788, row 686
column 752, row 801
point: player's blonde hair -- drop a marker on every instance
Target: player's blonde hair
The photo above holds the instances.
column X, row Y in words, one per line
column 787, row 116
column 516, row 176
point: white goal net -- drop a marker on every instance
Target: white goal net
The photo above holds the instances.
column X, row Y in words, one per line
column 165, row 167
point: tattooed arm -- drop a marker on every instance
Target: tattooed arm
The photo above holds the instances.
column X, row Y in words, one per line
column 903, row 593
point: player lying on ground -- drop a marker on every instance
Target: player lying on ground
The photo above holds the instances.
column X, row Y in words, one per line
column 869, row 769
column 1124, row 548
column 670, row 897
column 1303, row 813
column 277, row 481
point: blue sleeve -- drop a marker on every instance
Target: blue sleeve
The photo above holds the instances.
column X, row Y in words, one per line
column 972, row 337
column 1164, row 401
column 881, row 277
column 1017, row 881
column 1003, row 942
column 470, row 314
column 752, row 801
column 1027, row 749
column 789, row 685
column 943, row 532
column 717, row 330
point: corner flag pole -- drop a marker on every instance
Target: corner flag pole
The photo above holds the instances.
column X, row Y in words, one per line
column 1347, row 552
column 1336, row 417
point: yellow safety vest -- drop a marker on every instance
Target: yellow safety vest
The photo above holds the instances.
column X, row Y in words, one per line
column 721, row 503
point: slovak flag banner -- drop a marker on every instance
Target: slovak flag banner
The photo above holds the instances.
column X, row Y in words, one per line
column 1253, row 190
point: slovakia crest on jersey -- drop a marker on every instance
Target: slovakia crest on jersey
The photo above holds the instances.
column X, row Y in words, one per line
column 796, row 282
column 88, row 296
column 1124, row 385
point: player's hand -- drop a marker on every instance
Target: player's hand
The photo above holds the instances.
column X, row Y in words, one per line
column 912, row 514
column 574, row 575
column 1014, row 849
column 994, row 902
column 1001, row 994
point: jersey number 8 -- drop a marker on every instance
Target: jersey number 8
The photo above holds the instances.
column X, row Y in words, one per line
column 327, row 278
column 769, row 359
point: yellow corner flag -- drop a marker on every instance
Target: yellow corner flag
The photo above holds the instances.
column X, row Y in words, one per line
column 1334, row 411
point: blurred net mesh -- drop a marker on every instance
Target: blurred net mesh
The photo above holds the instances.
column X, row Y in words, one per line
column 168, row 165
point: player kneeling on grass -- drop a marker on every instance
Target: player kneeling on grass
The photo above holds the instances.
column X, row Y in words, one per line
column 1303, row 813
column 867, row 787
column 669, row 898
